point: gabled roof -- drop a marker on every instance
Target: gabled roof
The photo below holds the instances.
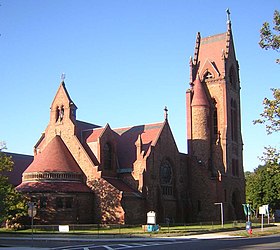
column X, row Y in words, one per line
column 126, row 138
column 213, row 48
column 62, row 90
column 54, row 158
column 84, row 129
column 120, row 185
column 149, row 132
column 95, row 134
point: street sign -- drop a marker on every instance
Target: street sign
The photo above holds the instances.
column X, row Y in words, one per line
column 32, row 210
column 151, row 218
column 262, row 210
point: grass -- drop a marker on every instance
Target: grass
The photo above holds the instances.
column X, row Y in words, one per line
column 124, row 230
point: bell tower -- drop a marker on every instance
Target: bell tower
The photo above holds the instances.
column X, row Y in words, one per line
column 214, row 135
column 62, row 116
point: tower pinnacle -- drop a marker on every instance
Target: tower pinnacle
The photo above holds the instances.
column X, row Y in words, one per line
column 62, row 77
column 165, row 113
column 228, row 15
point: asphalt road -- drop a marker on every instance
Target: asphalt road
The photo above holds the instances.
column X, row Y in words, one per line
column 268, row 242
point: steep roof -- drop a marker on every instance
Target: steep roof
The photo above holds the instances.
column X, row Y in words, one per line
column 199, row 95
column 84, row 129
column 61, row 159
column 128, row 136
column 95, row 134
column 213, row 48
column 120, row 185
column 63, row 91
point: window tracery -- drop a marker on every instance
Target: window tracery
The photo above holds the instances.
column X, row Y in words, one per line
column 166, row 178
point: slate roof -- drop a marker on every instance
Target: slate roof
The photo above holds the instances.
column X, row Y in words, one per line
column 53, row 187
column 126, row 138
column 21, row 162
column 199, row 96
column 212, row 48
column 61, row 159
column 120, row 185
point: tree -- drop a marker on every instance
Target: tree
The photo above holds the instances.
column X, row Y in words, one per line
column 263, row 185
column 270, row 39
column 12, row 203
column 271, row 113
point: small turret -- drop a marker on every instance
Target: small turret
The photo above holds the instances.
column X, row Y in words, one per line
column 199, row 95
column 200, row 123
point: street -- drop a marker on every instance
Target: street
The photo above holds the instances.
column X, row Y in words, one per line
column 268, row 242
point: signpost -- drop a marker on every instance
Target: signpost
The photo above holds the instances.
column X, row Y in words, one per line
column 222, row 212
column 151, row 222
column 267, row 212
column 263, row 210
column 32, row 211
column 247, row 212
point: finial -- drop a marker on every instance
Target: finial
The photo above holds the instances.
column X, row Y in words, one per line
column 165, row 113
column 228, row 15
column 62, row 77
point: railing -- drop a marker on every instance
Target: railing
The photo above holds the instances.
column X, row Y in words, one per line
column 129, row 230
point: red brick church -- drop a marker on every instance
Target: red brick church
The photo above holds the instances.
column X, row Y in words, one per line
column 84, row 173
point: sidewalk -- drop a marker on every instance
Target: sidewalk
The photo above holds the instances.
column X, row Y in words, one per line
column 100, row 238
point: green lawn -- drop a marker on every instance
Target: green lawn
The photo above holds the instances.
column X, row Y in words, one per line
column 136, row 230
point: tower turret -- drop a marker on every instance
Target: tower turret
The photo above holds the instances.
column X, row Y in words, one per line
column 200, row 133
column 213, row 117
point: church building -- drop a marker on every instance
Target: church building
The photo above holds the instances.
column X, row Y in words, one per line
column 85, row 173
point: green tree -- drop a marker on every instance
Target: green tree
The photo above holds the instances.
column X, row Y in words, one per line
column 12, row 203
column 270, row 39
column 263, row 185
column 271, row 113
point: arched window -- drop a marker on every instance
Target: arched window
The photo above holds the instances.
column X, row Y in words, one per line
column 61, row 113
column 166, row 178
column 232, row 77
column 57, row 114
column 215, row 119
column 233, row 107
column 107, row 156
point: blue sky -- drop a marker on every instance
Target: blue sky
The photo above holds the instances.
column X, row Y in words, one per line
column 124, row 61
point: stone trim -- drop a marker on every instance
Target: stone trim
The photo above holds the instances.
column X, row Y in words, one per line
column 39, row 176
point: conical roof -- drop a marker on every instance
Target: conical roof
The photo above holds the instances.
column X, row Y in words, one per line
column 56, row 157
column 199, row 95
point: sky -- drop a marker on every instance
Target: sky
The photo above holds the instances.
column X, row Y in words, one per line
column 124, row 61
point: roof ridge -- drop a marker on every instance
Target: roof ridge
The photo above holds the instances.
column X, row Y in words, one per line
column 149, row 124
column 220, row 34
